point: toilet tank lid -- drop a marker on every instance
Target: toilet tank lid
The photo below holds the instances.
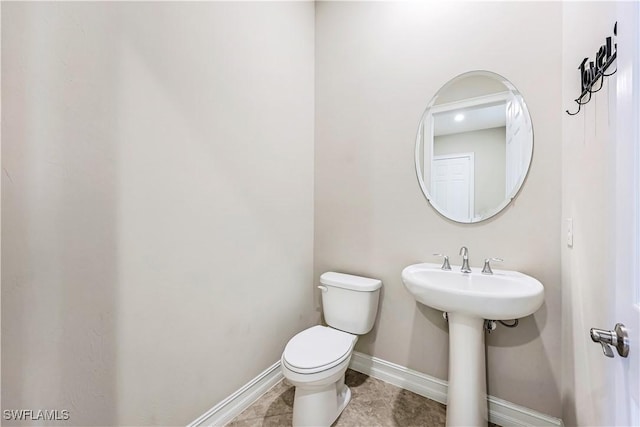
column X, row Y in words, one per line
column 348, row 281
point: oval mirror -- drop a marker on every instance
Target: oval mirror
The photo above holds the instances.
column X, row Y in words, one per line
column 474, row 146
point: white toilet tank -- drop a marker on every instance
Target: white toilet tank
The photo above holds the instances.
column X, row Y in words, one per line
column 350, row 303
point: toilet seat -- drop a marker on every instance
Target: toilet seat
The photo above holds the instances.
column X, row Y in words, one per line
column 318, row 349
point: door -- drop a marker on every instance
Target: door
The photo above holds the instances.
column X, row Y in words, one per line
column 518, row 145
column 625, row 380
column 452, row 185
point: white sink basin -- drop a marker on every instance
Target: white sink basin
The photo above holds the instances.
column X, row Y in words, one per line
column 502, row 296
column 469, row 298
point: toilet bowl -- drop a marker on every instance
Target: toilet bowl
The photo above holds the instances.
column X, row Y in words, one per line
column 315, row 362
column 316, row 359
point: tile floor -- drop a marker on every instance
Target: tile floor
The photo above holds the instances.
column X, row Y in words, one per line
column 373, row 403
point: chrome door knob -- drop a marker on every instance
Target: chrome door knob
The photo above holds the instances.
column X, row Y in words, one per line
column 617, row 338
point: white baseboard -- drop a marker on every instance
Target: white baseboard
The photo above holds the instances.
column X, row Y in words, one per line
column 408, row 379
column 233, row 405
column 501, row 412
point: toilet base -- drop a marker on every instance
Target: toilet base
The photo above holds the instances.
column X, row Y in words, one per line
column 320, row 405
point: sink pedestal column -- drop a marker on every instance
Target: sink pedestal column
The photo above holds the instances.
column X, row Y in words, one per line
column 467, row 395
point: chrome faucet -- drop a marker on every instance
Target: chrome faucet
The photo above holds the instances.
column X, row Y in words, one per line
column 465, row 260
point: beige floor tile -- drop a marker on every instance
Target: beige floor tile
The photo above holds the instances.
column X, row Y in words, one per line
column 373, row 403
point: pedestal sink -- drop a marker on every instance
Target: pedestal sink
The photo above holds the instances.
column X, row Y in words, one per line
column 469, row 299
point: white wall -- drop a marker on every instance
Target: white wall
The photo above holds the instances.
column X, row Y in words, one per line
column 377, row 66
column 157, row 197
column 587, row 159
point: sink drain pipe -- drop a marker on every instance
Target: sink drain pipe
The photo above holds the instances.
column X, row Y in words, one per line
column 490, row 325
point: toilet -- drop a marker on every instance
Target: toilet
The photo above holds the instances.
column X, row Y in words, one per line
column 316, row 359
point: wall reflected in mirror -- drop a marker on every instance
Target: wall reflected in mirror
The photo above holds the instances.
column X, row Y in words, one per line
column 474, row 146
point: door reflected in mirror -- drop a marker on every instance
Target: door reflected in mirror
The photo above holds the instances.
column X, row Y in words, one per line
column 474, row 146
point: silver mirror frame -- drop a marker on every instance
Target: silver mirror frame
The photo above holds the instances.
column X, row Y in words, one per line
column 516, row 189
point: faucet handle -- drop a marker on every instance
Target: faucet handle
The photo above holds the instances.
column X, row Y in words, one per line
column 487, row 267
column 445, row 263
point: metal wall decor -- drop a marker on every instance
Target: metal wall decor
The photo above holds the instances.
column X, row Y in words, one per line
column 596, row 70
